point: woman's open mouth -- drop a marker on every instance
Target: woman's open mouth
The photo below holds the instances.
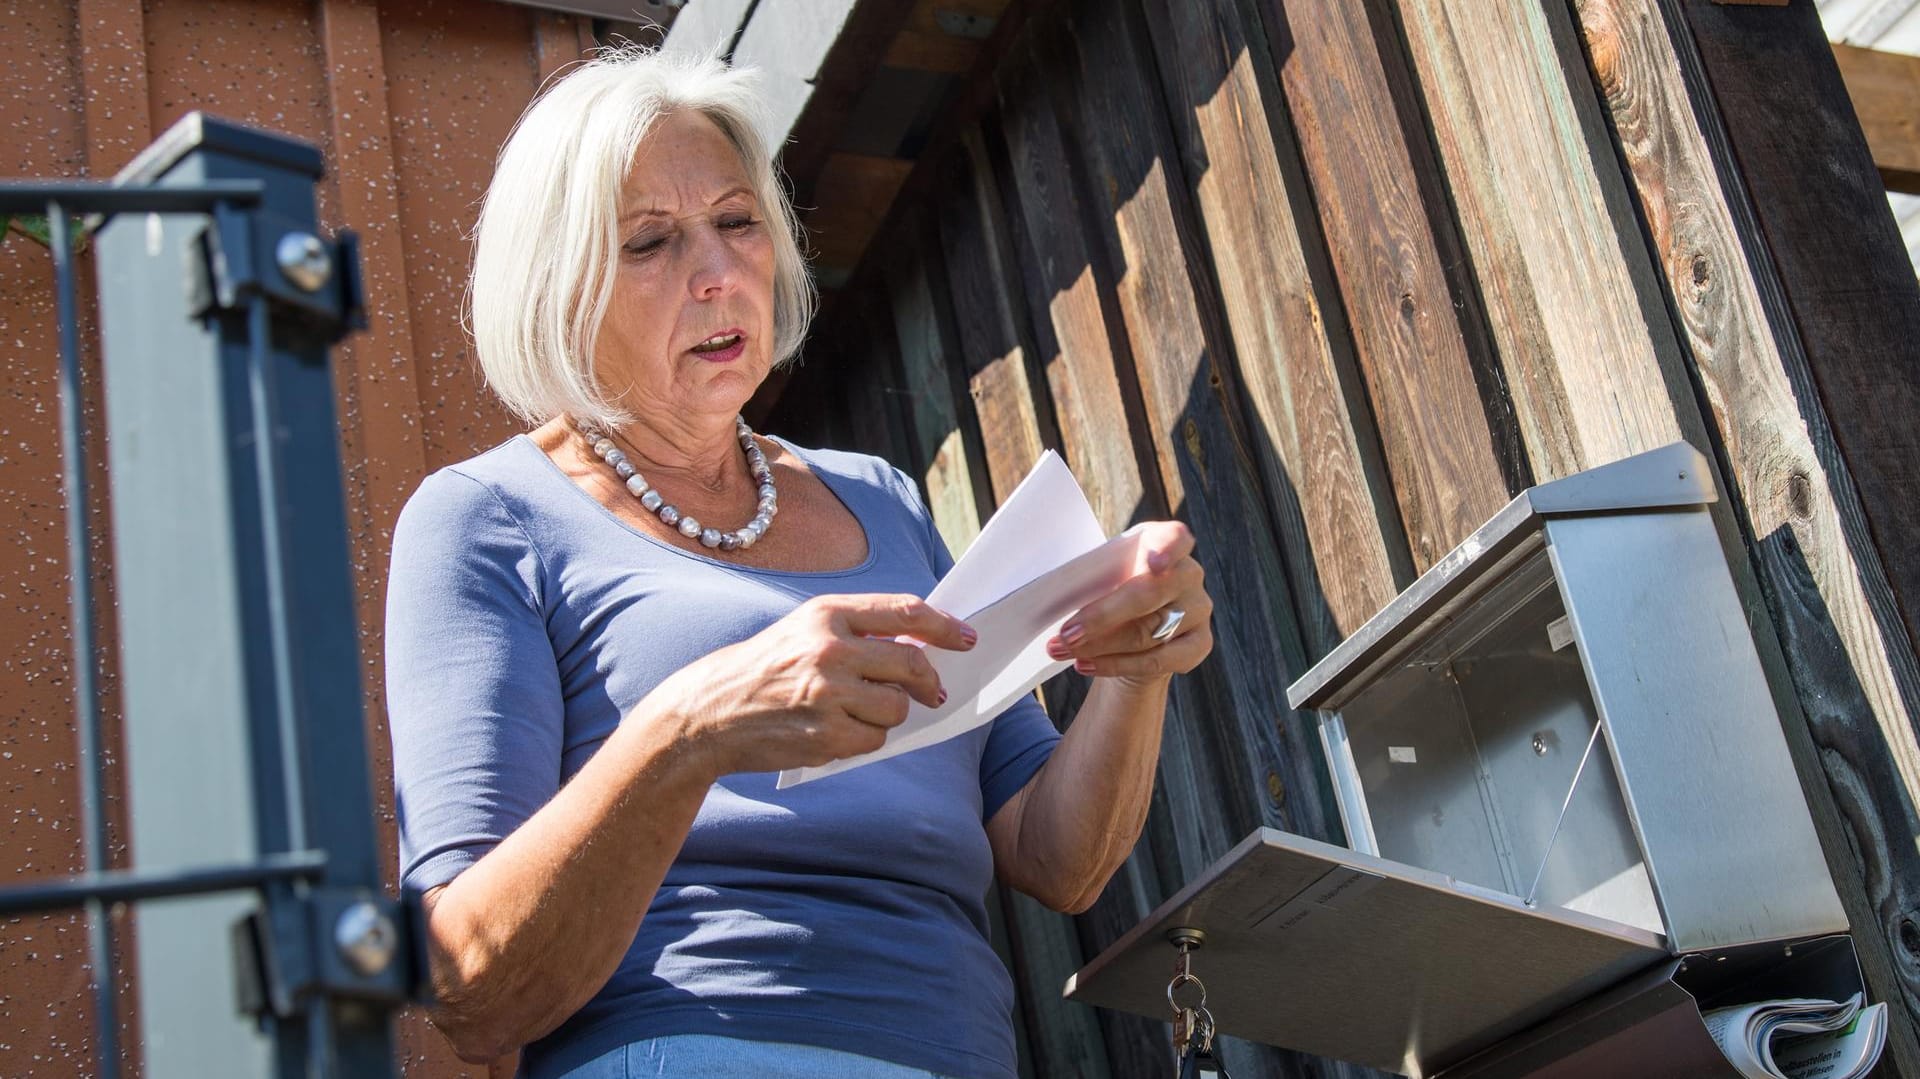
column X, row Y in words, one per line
column 721, row 347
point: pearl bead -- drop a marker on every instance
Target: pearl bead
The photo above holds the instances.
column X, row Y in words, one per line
column 654, row 502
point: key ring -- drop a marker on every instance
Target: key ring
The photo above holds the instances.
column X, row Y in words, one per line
column 1184, row 978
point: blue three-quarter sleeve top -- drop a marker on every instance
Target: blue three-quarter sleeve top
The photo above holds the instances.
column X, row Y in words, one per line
column 524, row 620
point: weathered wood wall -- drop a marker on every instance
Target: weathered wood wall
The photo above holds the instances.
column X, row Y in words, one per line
column 1330, row 282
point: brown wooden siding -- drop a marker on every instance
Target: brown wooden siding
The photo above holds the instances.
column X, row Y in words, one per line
column 1330, row 282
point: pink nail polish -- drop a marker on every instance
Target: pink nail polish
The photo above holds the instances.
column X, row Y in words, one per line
column 1073, row 633
column 942, row 700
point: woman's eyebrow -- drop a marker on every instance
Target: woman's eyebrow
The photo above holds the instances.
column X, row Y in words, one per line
column 654, row 211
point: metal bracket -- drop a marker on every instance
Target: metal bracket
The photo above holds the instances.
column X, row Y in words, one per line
column 314, row 287
column 329, row 942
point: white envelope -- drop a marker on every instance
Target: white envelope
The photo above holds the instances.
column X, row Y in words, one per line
column 1042, row 557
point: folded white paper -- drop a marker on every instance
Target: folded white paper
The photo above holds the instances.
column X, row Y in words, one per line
column 1042, row 557
column 1801, row 1038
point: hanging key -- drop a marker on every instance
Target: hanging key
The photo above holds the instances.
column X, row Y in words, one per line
column 1198, row 1062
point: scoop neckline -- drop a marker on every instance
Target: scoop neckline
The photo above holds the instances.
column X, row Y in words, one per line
column 826, row 476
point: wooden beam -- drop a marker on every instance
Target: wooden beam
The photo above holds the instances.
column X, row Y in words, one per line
column 710, row 26
column 815, row 57
column 1843, row 669
column 1885, row 90
column 862, row 189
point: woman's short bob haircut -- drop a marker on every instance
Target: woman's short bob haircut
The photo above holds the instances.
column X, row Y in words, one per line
column 548, row 239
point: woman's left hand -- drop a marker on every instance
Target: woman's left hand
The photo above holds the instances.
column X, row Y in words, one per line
column 1114, row 635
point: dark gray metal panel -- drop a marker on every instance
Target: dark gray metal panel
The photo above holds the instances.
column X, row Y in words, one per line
column 1340, row 954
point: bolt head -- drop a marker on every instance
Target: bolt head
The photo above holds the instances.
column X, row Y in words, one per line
column 366, row 939
column 303, row 260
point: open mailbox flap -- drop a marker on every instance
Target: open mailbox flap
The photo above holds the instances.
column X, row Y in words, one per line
column 1340, row 954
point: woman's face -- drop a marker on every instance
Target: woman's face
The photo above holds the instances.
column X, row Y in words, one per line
column 689, row 331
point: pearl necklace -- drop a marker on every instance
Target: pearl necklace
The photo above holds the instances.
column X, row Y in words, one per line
column 739, row 539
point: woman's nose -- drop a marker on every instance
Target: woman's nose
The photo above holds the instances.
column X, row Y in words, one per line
column 716, row 266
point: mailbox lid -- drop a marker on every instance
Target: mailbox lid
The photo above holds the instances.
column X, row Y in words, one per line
column 1340, row 954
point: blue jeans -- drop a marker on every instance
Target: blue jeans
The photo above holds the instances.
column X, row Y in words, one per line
column 706, row 1056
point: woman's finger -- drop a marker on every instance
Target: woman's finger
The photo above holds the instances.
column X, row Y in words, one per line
column 1094, row 625
column 1136, row 635
column 904, row 665
column 1177, row 656
column 877, row 704
column 901, row 615
column 1163, row 543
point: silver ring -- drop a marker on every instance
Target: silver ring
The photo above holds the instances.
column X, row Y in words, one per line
column 1169, row 622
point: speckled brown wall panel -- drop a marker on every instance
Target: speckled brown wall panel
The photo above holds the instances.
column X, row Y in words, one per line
column 258, row 62
column 458, row 75
column 46, row 1013
column 410, row 101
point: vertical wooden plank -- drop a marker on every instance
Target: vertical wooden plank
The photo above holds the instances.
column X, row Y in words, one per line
column 1188, row 386
column 947, row 452
column 1843, row 269
column 1413, row 352
column 1236, row 751
column 995, row 348
column 1588, row 384
column 1079, row 335
column 1338, row 528
column 870, row 380
column 1856, row 751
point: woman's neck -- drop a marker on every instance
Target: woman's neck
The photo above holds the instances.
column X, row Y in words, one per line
column 701, row 451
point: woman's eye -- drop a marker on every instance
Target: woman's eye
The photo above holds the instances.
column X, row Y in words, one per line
column 646, row 245
column 738, row 224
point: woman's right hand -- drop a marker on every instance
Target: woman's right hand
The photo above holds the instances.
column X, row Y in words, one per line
column 825, row 682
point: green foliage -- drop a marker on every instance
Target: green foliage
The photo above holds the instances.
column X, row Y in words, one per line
column 35, row 227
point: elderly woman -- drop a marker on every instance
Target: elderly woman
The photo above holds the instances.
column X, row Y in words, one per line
column 605, row 636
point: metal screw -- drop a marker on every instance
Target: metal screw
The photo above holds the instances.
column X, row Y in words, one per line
column 1539, row 745
column 303, row 260
column 366, row 938
column 1186, row 938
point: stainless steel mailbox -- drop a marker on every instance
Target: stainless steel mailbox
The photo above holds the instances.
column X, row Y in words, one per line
column 1562, row 776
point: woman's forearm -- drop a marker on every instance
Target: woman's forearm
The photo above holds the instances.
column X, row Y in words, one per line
column 1083, row 812
column 531, row 931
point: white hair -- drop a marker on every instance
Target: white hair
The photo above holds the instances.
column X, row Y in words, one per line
column 546, row 245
